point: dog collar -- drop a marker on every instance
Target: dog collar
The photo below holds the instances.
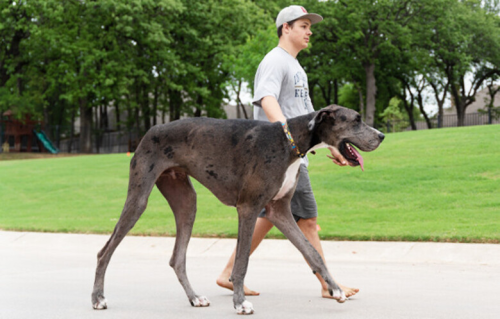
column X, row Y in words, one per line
column 290, row 139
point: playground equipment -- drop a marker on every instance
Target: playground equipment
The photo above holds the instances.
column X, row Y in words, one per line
column 47, row 143
column 21, row 136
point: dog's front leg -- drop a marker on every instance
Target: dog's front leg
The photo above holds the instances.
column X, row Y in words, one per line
column 247, row 216
column 280, row 214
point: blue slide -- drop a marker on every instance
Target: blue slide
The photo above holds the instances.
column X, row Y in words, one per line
column 49, row 146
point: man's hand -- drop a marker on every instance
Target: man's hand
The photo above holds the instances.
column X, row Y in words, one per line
column 337, row 158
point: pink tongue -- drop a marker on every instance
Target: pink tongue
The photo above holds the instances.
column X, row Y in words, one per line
column 359, row 158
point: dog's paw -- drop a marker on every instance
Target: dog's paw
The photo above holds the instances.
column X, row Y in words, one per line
column 200, row 301
column 338, row 295
column 246, row 308
column 101, row 303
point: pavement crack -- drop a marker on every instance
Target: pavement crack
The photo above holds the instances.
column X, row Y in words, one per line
column 17, row 238
column 210, row 246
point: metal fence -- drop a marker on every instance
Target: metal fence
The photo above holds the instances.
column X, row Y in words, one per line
column 64, row 138
column 449, row 120
column 103, row 142
column 61, row 138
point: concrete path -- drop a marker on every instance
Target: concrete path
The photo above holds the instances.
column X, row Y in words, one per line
column 51, row 276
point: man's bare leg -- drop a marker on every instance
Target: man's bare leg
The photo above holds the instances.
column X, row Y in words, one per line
column 309, row 228
column 262, row 227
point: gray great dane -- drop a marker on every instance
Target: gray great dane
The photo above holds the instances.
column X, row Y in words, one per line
column 244, row 163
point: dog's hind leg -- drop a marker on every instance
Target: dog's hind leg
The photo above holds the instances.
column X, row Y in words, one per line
column 279, row 213
column 181, row 196
column 141, row 182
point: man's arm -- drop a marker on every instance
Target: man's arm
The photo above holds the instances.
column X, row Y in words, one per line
column 272, row 109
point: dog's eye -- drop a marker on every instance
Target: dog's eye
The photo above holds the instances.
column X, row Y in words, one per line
column 358, row 118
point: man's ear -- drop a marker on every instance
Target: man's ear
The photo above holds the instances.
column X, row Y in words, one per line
column 286, row 26
column 320, row 117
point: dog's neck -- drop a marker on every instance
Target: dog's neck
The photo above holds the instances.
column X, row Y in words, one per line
column 305, row 139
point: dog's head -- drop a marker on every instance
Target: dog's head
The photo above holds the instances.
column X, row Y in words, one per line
column 341, row 128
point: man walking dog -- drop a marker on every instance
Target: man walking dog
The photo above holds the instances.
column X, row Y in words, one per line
column 247, row 165
column 282, row 92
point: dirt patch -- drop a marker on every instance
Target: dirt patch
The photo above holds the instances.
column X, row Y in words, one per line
column 21, row 156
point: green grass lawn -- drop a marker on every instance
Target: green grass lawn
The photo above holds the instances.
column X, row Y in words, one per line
column 434, row 185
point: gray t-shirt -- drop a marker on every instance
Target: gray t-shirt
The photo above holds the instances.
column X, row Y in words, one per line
column 280, row 75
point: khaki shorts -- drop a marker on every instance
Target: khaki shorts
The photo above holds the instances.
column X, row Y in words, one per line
column 303, row 202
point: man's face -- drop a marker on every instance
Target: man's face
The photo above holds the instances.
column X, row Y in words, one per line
column 300, row 33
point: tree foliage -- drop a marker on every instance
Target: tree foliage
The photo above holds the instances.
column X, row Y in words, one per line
column 69, row 61
column 62, row 60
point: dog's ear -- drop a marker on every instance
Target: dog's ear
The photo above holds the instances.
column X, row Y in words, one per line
column 320, row 117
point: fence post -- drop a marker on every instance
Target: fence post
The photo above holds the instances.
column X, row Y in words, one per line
column 388, row 125
column 490, row 121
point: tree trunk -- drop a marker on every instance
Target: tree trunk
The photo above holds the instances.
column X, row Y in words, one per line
column 97, row 129
column 440, row 101
column 239, row 103
column 440, row 116
column 155, row 104
column 46, row 118
column 85, row 127
column 137, row 120
column 460, row 113
column 199, row 103
column 460, row 107
column 197, row 112
column 422, row 110
column 129, row 123
column 146, row 110
column 327, row 92
column 117, row 114
column 174, row 104
column 72, row 130
column 409, row 109
column 361, row 100
column 104, row 121
column 371, row 92
column 138, row 106
column 335, row 92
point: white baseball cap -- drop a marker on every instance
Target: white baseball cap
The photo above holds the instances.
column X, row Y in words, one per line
column 296, row 12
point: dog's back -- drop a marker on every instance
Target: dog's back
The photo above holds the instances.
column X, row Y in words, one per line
column 221, row 154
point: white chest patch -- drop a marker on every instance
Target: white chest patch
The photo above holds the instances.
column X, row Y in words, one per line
column 289, row 181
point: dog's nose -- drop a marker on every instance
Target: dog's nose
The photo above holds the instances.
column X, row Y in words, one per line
column 381, row 136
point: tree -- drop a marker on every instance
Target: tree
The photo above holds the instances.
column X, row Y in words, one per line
column 493, row 89
column 327, row 63
column 465, row 44
column 16, row 28
column 208, row 33
column 393, row 116
column 79, row 58
column 244, row 61
column 364, row 29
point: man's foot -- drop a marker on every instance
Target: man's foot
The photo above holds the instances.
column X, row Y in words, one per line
column 225, row 283
column 349, row 292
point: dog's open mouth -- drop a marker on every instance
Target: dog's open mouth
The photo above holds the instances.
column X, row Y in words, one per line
column 351, row 154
